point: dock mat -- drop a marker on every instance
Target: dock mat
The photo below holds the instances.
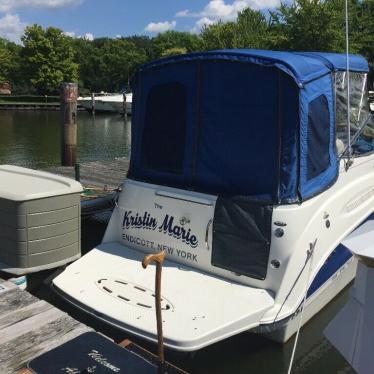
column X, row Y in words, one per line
column 91, row 353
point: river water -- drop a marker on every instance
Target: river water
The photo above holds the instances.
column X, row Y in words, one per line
column 32, row 139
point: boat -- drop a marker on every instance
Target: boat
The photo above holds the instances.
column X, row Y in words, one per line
column 86, row 101
column 250, row 200
column 107, row 103
column 117, row 105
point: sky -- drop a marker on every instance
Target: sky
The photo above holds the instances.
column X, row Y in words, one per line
column 115, row 18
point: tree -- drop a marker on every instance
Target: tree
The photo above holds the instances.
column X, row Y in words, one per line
column 48, row 58
column 173, row 51
column 364, row 33
column 219, row 36
column 308, row 25
column 252, row 30
column 174, row 39
column 107, row 64
column 5, row 61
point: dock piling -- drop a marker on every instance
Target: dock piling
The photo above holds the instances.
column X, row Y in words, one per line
column 77, row 170
column 124, row 106
column 93, row 103
column 68, row 97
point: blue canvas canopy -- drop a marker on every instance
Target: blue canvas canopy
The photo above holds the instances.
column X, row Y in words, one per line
column 248, row 123
column 337, row 61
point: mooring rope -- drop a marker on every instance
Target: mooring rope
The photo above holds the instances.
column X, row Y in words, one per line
column 309, row 256
column 312, row 245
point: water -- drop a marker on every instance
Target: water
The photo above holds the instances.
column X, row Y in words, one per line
column 32, row 139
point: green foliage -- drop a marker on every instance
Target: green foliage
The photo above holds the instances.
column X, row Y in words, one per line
column 5, row 62
column 364, row 32
column 48, row 58
column 9, row 60
column 174, row 39
column 108, row 64
column 173, row 51
column 252, row 30
column 219, row 36
column 309, row 25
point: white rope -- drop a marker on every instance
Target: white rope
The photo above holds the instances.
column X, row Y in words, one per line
column 348, row 82
column 310, row 254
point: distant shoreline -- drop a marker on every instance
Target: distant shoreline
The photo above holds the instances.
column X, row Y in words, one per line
column 30, row 102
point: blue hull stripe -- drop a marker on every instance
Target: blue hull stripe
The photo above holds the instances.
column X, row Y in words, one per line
column 335, row 261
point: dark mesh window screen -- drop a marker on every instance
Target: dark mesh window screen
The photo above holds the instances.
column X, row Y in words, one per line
column 242, row 236
column 164, row 133
column 318, row 137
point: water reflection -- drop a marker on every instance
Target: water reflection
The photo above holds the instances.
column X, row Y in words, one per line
column 32, row 138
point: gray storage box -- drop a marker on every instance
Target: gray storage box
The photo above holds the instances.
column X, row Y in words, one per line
column 39, row 220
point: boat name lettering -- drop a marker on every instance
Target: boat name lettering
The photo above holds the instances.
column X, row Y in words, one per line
column 146, row 221
column 138, row 241
column 99, row 358
column 160, row 247
column 178, row 232
column 183, row 254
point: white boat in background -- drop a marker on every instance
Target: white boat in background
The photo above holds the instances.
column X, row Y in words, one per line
column 107, row 103
column 85, row 102
column 250, row 200
column 117, row 104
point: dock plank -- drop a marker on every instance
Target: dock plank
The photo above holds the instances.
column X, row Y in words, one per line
column 97, row 173
column 29, row 324
column 11, row 300
column 16, row 353
column 30, row 327
column 28, row 311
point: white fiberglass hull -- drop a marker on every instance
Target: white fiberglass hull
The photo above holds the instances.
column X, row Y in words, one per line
column 107, row 104
column 111, row 284
column 230, row 302
column 282, row 332
column 118, row 107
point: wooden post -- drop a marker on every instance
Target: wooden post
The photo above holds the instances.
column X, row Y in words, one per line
column 68, row 98
column 93, row 103
column 124, row 106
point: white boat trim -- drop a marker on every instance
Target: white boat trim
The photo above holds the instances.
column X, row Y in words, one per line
column 195, row 317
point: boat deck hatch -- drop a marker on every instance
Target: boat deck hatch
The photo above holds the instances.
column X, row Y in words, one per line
column 131, row 293
column 198, row 309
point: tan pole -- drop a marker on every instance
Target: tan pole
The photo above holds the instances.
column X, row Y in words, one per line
column 159, row 259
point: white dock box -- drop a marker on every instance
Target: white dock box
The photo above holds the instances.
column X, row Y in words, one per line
column 39, row 220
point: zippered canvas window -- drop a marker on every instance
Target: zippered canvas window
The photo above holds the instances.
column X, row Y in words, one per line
column 164, row 136
column 318, row 137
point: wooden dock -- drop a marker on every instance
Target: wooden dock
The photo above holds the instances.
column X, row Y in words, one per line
column 97, row 173
column 32, row 106
column 30, row 327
